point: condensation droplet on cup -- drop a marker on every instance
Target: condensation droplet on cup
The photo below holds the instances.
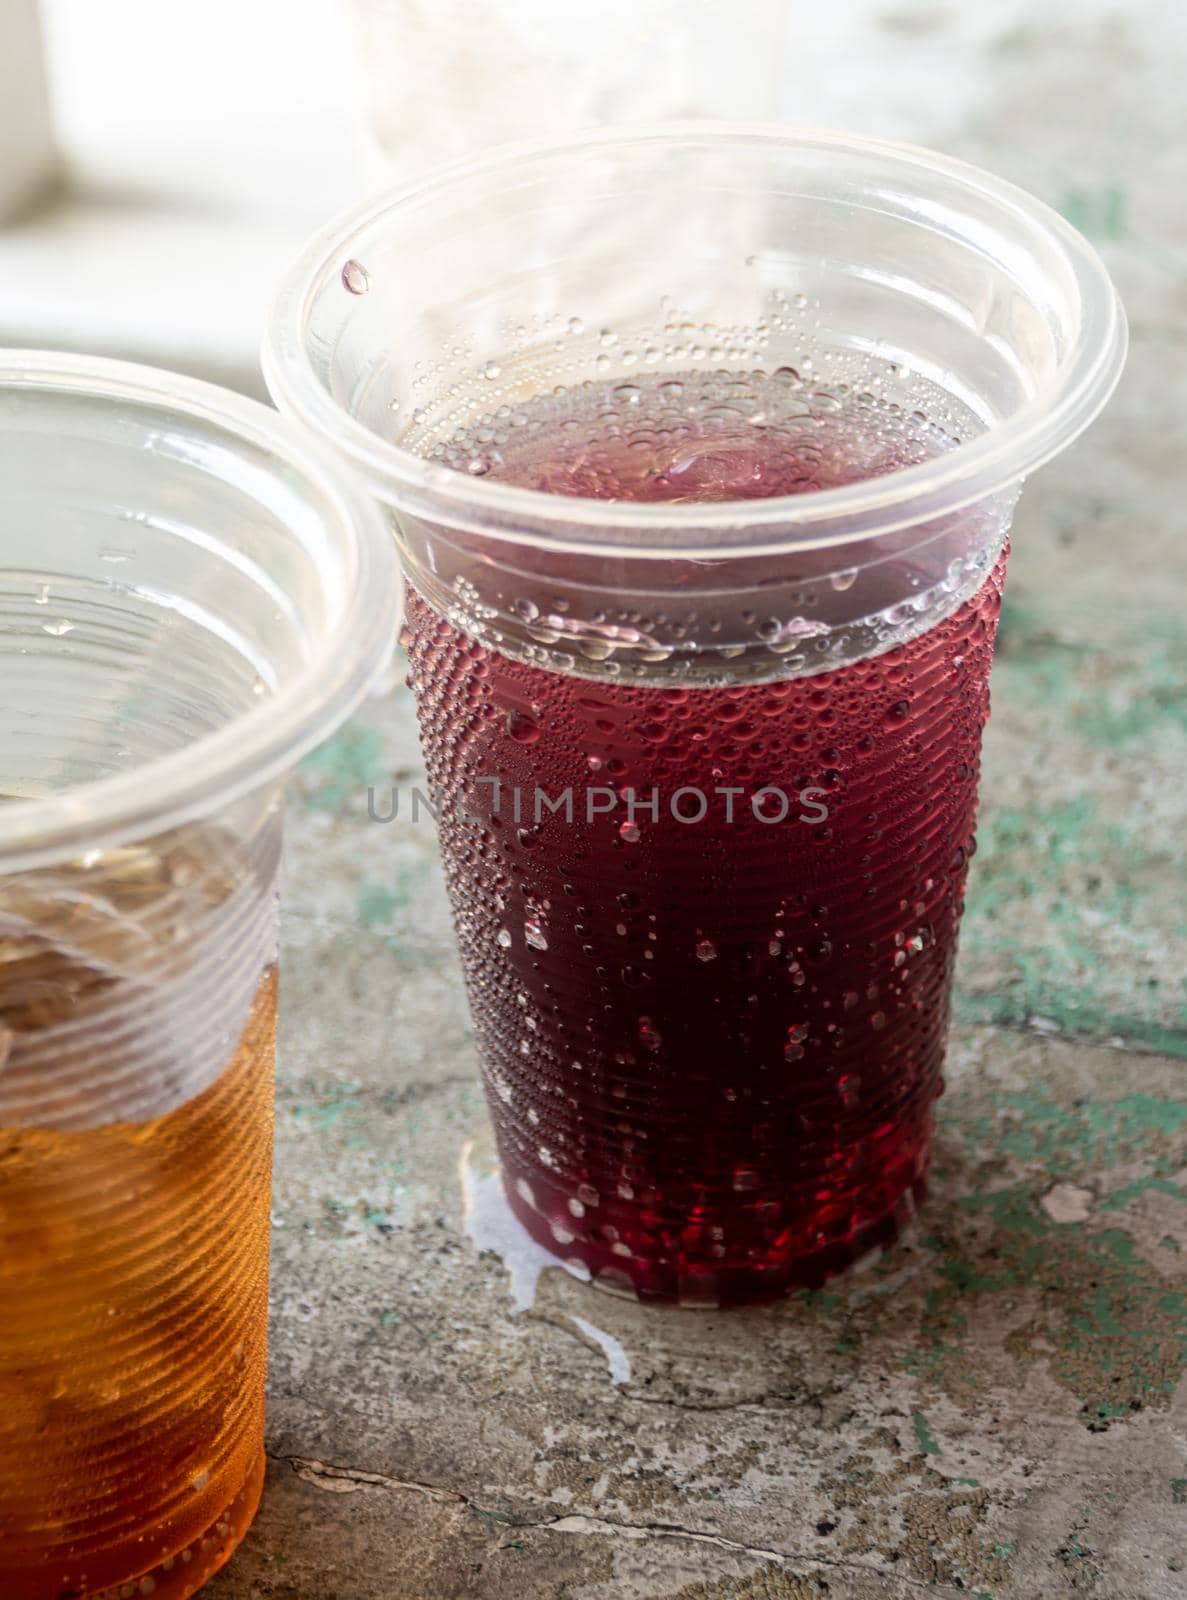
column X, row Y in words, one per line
column 534, row 936
column 745, row 1179
column 844, row 580
column 522, row 728
column 57, row 629
column 42, row 596
column 649, row 1035
column 706, row 950
column 503, row 939
column 355, row 278
column 491, row 370
column 849, row 1090
column 629, row 832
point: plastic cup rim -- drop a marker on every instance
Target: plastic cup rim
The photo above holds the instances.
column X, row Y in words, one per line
column 995, row 460
column 265, row 741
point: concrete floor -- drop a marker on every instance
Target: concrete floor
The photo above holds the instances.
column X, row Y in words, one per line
column 998, row 1409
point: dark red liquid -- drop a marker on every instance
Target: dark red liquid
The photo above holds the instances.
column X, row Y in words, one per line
column 712, row 1048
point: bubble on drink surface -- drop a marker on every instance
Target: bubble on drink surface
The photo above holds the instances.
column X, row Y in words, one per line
column 355, row 277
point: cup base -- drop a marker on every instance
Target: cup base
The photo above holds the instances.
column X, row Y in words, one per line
column 183, row 1574
column 731, row 1284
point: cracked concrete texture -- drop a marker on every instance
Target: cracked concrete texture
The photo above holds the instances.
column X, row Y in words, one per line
column 995, row 1408
column 998, row 1408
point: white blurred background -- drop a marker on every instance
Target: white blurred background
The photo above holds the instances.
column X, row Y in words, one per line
column 159, row 162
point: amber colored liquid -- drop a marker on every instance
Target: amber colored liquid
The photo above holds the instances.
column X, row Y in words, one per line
column 133, row 1329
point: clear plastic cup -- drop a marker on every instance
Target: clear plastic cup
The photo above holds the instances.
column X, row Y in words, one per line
column 712, row 1051
column 188, row 602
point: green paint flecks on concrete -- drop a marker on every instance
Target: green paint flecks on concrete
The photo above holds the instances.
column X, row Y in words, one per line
column 1044, row 864
column 337, row 775
column 1098, row 210
column 377, row 904
column 381, row 906
column 1069, row 922
column 1136, row 691
column 1120, row 1198
column 338, row 1101
column 1107, row 1325
column 1032, row 1125
column 926, row 1443
column 1179, row 1491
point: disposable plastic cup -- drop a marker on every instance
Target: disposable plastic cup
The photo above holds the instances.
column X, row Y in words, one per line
column 188, row 602
column 712, row 1039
